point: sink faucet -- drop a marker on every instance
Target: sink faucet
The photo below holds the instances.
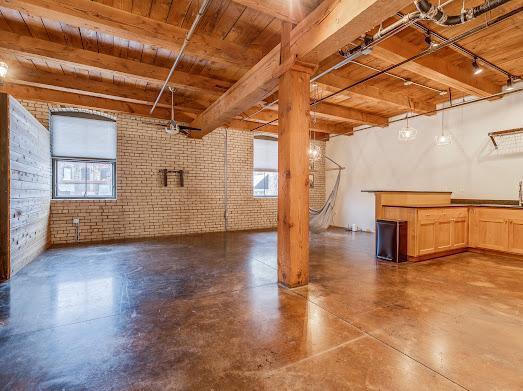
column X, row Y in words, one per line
column 520, row 193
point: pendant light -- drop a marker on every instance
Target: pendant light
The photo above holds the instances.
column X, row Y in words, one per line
column 3, row 69
column 314, row 151
column 407, row 133
column 444, row 139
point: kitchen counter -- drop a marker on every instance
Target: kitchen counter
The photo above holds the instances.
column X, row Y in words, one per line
column 406, row 191
column 456, row 206
column 437, row 230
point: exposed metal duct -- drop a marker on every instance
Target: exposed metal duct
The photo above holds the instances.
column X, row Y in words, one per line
column 435, row 13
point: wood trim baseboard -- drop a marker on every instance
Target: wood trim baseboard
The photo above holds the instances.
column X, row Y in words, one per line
column 439, row 254
column 463, row 250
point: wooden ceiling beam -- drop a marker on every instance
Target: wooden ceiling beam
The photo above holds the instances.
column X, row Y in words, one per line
column 110, row 20
column 37, row 48
column 289, row 11
column 68, row 83
column 68, row 98
column 237, row 124
column 321, row 126
column 343, row 113
column 332, row 82
column 395, row 50
column 330, row 26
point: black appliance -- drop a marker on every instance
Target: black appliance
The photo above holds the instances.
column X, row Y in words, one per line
column 391, row 240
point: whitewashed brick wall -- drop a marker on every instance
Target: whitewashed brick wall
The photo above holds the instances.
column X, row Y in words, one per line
column 145, row 208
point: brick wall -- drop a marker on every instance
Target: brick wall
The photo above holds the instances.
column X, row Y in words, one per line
column 145, row 208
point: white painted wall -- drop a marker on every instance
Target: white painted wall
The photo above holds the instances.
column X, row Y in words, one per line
column 470, row 167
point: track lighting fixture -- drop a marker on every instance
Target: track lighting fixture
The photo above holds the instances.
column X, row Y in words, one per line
column 509, row 86
column 407, row 82
column 476, row 68
column 430, row 43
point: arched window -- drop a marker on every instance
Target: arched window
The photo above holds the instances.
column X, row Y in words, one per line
column 83, row 147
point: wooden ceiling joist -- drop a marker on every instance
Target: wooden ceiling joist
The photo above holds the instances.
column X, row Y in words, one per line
column 329, row 27
column 395, row 50
column 319, row 125
column 289, row 11
column 332, row 82
column 68, row 98
column 343, row 113
column 68, row 83
column 33, row 47
column 110, row 20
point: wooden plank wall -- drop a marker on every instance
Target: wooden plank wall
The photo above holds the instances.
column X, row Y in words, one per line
column 4, row 188
column 30, row 193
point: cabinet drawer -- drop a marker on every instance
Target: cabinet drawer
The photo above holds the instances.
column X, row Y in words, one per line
column 442, row 213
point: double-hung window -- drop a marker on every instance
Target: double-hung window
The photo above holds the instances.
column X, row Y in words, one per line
column 265, row 167
column 83, row 148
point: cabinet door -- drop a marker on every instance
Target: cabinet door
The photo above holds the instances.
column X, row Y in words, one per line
column 492, row 233
column 443, row 234
column 426, row 239
column 460, row 232
column 515, row 236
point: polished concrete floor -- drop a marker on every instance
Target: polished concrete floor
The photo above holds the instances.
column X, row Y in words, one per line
column 205, row 312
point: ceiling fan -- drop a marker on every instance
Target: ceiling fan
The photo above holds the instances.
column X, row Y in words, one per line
column 174, row 127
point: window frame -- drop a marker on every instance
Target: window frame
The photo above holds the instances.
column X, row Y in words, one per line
column 268, row 137
column 57, row 159
column 265, row 172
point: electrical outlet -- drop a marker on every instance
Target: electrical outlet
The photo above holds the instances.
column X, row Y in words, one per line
column 76, row 221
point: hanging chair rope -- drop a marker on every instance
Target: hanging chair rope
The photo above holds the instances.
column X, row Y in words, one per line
column 320, row 219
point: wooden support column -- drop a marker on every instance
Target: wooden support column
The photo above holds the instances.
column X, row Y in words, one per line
column 293, row 171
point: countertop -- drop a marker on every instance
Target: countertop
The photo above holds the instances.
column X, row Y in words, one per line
column 458, row 206
column 405, row 191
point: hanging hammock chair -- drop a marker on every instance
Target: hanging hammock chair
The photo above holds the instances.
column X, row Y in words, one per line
column 320, row 219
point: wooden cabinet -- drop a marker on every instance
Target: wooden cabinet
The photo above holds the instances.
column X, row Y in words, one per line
column 497, row 229
column 441, row 229
column 515, row 235
column 434, row 231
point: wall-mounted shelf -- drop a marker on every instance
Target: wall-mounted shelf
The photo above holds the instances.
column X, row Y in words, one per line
column 506, row 137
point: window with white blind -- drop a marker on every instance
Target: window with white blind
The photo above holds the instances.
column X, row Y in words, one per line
column 265, row 167
column 83, row 148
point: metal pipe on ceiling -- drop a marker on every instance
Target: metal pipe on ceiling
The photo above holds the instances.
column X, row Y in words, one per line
column 188, row 36
column 436, row 14
column 448, row 42
column 459, row 48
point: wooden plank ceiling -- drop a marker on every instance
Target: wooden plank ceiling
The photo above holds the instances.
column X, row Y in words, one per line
column 114, row 55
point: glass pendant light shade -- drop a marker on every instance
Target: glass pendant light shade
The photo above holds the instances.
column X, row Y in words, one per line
column 314, row 152
column 443, row 139
column 407, row 133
